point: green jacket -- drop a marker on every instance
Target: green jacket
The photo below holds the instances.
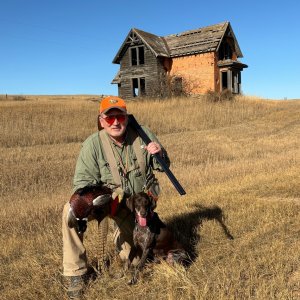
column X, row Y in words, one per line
column 92, row 167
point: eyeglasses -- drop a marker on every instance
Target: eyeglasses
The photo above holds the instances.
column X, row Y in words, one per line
column 111, row 119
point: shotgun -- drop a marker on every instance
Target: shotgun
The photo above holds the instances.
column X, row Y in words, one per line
column 133, row 122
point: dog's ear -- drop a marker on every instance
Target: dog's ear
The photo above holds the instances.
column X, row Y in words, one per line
column 153, row 202
column 130, row 203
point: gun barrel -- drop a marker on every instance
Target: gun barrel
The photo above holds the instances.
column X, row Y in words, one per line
column 162, row 163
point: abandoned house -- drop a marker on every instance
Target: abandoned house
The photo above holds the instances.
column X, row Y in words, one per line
column 192, row 62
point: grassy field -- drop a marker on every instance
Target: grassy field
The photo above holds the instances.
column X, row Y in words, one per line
column 238, row 162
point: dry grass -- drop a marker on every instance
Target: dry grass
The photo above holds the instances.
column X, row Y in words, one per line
column 239, row 160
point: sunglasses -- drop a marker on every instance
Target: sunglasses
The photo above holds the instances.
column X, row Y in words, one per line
column 111, row 119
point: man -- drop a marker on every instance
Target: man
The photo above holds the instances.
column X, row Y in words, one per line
column 115, row 156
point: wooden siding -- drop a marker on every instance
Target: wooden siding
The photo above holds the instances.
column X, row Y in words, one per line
column 152, row 70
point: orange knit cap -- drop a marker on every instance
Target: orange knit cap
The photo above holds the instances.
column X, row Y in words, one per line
column 111, row 102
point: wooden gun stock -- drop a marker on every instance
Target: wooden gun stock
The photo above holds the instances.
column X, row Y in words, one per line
column 133, row 122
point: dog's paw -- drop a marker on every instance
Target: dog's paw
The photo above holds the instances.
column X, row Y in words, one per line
column 132, row 281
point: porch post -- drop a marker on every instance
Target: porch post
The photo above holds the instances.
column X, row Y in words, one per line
column 229, row 80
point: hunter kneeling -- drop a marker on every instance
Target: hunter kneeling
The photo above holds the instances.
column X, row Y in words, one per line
column 115, row 157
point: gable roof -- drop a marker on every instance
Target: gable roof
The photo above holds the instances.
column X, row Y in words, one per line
column 155, row 43
column 205, row 39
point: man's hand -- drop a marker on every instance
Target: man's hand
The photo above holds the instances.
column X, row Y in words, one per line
column 154, row 148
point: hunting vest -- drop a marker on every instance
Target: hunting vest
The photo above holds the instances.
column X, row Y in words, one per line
column 133, row 137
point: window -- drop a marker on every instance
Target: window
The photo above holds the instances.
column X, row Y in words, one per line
column 225, row 51
column 133, row 56
column 142, row 87
column 141, row 55
column 135, row 87
column 224, row 80
column 137, row 56
column 138, row 87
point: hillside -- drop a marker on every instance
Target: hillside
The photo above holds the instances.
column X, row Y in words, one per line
column 238, row 162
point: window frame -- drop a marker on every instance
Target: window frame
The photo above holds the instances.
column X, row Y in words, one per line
column 138, row 85
column 137, row 55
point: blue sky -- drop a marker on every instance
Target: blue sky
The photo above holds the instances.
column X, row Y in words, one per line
column 67, row 46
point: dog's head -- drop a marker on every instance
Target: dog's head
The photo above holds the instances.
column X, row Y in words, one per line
column 141, row 204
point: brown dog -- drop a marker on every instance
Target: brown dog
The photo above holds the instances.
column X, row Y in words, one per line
column 151, row 235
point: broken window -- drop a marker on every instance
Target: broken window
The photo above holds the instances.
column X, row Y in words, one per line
column 224, row 80
column 225, row 51
column 133, row 57
column 135, row 87
column 141, row 55
column 137, row 56
column 138, row 87
column 142, row 87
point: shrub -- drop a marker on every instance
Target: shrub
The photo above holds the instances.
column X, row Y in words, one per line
column 19, row 98
column 225, row 95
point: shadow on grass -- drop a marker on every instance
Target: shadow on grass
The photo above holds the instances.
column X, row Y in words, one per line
column 185, row 226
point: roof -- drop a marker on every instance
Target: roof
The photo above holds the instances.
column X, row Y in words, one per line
column 232, row 63
column 206, row 39
column 155, row 43
column 201, row 40
column 117, row 78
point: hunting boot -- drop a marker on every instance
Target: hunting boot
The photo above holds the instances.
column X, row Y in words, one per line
column 75, row 285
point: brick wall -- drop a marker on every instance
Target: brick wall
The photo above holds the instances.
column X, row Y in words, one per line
column 200, row 71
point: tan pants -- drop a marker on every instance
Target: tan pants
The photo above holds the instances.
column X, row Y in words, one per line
column 74, row 252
